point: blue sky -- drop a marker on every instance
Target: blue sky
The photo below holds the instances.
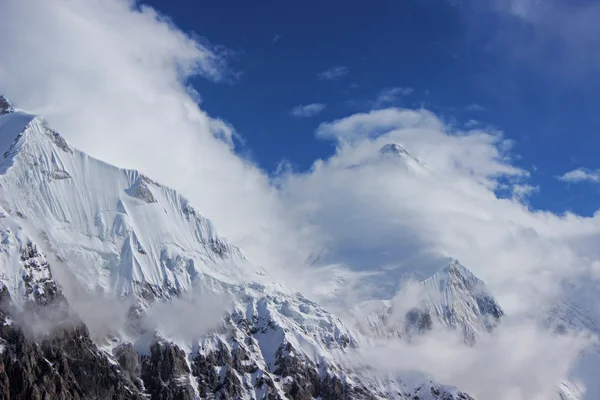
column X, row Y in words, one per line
column 452, row 56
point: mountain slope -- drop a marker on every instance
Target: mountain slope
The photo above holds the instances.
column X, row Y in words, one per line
column 123, row 230
column 453, row 298
column 73, row 227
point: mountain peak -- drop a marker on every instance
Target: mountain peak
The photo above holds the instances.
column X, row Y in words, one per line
column 5, row 107
column 459, row 298
column 142, row 234
column 453, row 298
column 394, row 148
column 456, row 271
column 20, row 130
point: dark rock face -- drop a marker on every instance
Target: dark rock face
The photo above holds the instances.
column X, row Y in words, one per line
column 128, row 359
column 165, row 372
column 488, row 306
column 59, row 140
column 39, row 285
column 418, row 321
column 5, row 107
column 64, row 364
column 220, row 374
column 303, row 382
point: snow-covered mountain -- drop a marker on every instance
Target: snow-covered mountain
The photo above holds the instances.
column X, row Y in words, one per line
column 453, row 298
column 397, row 151
column 578, row 317
column 72, row 227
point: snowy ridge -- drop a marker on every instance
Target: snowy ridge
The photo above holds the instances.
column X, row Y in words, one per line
column 465, row 303
column 569, row 316
column 453, row 298
column 119, row 234
column 120, row 228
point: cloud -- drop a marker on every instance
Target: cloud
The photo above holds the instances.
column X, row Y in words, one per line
column 523, row 191
column 276, row 38
column 361, row 125
column 557, row 38
column 307, row 111
column 518, row 362
column 580, row 175
column 470, row 124
column 474, row 107
column 333, row 73
column 114, row 83
column 392, row 95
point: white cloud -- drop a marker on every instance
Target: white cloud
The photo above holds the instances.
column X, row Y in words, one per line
column 474, row 107
column 470, row 124
column 333, row 73
column 581, row 175
column 518, row 362
column 392, row 95
column 358, row 126
column 523, row 191
column 307, row 111
column 558, row 38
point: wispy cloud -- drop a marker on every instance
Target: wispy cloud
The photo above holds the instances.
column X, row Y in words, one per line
column 333, row 73
column 580, row 175
column 523, row 191
column 308, row 110
column 392, row 95
column 276, row 38
column 474, row 107
column 560, row 38
column 470, row 124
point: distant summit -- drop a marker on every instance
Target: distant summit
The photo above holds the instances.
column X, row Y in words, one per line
column 5, row 107
column 453, row 298
column 395, row 150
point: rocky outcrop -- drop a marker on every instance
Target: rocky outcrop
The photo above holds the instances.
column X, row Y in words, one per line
column 61, row 364
column 165, row 372
column 40, row 288
column 5, row 106
column 59, row 141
